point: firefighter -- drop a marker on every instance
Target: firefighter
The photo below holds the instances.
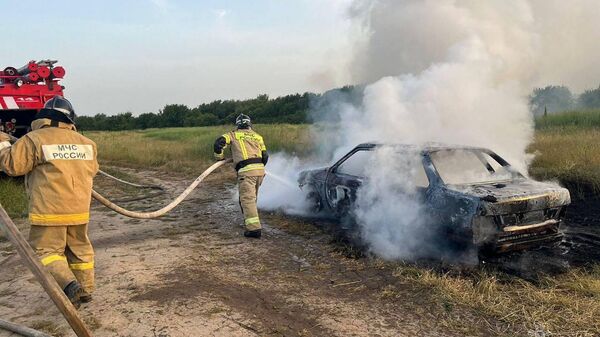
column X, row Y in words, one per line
column 59, row 165
column 249, row 157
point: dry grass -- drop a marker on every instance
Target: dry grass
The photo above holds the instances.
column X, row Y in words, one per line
column 49, row 327
column 571, row 155
column 567, row 149
column 565, row 305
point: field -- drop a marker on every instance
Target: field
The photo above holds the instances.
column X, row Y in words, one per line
column 471, row 300
column 567, row 149
column 185, row 150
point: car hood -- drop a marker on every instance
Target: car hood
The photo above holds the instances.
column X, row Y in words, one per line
column 516, row 196
column 311, row 174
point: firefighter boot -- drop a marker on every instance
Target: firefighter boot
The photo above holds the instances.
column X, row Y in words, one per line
column 253, row 234
column 85, row 296
column 74, row 292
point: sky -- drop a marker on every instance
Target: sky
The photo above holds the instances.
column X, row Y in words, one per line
column 138, row 56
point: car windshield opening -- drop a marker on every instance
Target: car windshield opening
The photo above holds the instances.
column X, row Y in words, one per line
column 466, row 166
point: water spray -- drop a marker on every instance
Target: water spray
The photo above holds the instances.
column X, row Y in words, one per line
column 281, row 180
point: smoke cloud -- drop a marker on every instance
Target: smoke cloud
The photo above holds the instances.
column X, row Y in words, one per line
column 390, row 226
column 534, row 42
column 449, row 71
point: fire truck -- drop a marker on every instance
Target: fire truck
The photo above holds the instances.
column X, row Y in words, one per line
column 24, row 91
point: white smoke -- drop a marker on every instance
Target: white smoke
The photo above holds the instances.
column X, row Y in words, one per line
column 390, row 213
column 533, row 42
column 458, row 101
column 280, row 191
column 450, row 71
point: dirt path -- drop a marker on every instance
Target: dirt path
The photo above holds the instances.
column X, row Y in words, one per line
column 192, row 273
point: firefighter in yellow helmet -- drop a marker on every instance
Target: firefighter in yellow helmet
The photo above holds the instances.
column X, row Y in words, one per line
column 249, row 157
column 59, row 165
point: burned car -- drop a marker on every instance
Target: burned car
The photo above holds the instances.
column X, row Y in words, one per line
column 473, row 196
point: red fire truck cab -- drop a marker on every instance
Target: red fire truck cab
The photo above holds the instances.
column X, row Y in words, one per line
column 24, row 91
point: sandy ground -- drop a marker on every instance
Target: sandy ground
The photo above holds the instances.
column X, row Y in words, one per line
column 191, row 273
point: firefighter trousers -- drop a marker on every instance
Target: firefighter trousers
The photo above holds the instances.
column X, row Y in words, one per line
column 66, row 252
column 248, row 187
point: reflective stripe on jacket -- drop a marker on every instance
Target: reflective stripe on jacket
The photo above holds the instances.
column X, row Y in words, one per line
column 60, row 165
column 247, row 148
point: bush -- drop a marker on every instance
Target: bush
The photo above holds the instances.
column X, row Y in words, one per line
column 590, row 99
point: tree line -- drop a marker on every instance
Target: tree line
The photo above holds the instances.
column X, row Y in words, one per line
column 293, row 109
column 300, row 108
column 554, row 98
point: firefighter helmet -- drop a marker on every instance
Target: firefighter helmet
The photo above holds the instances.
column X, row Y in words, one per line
column 243, row 121
column 59, row 109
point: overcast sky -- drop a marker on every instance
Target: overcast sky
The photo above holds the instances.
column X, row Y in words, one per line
column 140, row 55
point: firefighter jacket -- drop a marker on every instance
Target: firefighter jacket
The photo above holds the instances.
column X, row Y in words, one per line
column 59, row 165
column 248, row 150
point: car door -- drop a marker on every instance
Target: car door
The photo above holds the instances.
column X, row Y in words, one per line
column 344, row 178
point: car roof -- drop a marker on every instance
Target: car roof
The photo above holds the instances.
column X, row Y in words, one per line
column 426, row 147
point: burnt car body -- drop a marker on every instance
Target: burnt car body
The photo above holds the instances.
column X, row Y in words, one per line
column 498, row 211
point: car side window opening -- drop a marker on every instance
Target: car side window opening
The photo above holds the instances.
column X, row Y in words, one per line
column 457, row 167
column 356, row 164
column 412, row 168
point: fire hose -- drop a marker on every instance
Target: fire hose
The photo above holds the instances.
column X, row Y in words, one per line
column 21, row 330
column 155, row 214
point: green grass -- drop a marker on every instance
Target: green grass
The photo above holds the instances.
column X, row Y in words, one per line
column 589, row 119
column 13, row 197
column 187, row 150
